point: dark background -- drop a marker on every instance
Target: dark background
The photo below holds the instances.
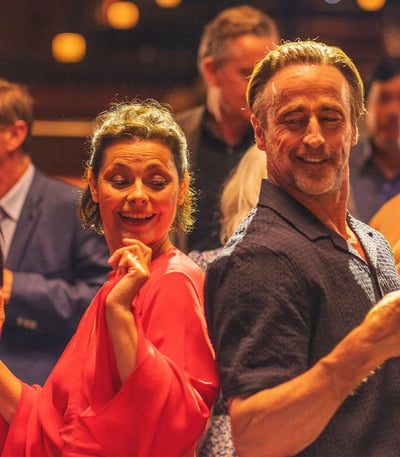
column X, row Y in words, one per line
column 155, row 59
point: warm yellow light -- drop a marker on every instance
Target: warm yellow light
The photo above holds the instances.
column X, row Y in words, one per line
column 68, row 47
column 122, row 15
column 371, row 5
column 168, row 3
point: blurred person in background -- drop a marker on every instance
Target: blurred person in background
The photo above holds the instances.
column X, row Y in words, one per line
column 239, row 195
column 375, row 161
column 53, row 267
column 219, row 132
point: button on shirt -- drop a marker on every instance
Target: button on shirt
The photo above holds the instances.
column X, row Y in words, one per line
column 11, row 205
column 370, row 189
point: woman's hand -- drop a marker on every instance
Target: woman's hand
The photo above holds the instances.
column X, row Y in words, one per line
column 131, row 262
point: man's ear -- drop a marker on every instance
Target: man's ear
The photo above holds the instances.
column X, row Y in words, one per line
column 183, row 188
column 209, row 73
column 17, row 133
column 258, row 132
column 92, row 185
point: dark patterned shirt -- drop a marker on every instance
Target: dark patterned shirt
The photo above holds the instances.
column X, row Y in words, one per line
column 282, row 294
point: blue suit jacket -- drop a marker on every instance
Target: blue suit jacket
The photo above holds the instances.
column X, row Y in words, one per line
column 58, row 267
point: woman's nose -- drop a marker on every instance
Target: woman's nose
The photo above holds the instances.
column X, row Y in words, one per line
column 313, row 136
column 137, row 194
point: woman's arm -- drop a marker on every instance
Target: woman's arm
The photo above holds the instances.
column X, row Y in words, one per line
column 10, row 393
column 132, row 263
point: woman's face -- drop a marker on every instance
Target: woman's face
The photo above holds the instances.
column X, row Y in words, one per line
column 138, row 190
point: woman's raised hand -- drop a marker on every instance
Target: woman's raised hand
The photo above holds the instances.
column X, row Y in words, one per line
column 131, row 262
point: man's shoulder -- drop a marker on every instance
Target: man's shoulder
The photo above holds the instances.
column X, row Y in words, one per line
column 53, row 194
column 263, row 230
column 51, row 185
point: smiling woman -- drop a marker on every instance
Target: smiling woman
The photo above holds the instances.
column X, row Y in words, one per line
column 142, row 345
column 138, row 188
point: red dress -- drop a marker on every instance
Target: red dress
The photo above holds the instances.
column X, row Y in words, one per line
column 159, row 411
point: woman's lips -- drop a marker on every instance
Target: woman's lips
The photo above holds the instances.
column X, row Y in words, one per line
column 136, row 219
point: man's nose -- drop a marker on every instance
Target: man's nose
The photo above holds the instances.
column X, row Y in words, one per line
column 313, row 136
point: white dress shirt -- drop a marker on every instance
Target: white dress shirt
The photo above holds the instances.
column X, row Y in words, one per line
column 11, row 205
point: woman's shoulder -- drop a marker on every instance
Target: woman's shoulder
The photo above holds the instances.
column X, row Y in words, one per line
column 175, row 261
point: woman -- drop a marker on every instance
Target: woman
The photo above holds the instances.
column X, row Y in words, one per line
column 138, row 378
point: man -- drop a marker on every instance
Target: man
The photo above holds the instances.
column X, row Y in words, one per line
column 290, row 300
column 219, row 133
column 52, row 266
column 375, row 162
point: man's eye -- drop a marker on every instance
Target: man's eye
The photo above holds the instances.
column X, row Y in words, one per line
column 384, row 99
column 294, row 122
column 331, row 120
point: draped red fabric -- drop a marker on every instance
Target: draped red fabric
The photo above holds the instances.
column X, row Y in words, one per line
column 160, row 410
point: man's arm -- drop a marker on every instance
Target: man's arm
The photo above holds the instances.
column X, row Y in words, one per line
column 301, row 408
column 54, row 301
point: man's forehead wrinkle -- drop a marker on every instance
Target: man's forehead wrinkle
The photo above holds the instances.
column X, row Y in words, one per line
column 277, row 95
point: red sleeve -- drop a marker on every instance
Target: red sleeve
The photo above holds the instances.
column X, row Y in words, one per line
column 14, row 435
column 173, row 385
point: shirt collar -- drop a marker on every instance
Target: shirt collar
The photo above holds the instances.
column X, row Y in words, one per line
column 299, row 216
column 14, row 199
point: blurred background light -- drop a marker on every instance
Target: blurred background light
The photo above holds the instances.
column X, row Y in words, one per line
column 68, row 47
column 122, row 15
column 371, row 5
column 168, row 3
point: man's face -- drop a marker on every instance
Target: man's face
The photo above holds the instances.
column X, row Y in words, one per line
column 231, row 77
column 383, row 119
column 308, row 132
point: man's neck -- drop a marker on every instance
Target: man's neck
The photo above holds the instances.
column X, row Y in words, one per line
column 230, row 130
column 12, row 169
column 330, row 209
column 332, row 212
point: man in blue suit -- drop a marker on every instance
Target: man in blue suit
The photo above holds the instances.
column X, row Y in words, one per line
column 53, row 267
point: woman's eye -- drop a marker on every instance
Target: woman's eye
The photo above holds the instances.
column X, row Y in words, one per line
column 158, row 184
column 119, row 182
